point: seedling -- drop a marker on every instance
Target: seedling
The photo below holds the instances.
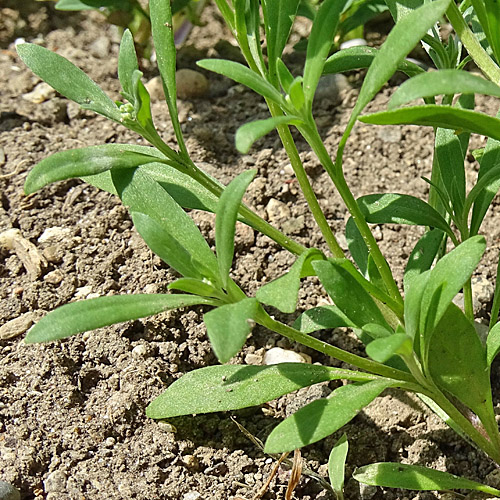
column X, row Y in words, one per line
column 416, row 339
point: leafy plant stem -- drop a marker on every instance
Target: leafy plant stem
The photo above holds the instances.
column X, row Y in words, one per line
column 363, row 363
column 215, row 188
column 313, row 138
column 492, row 450
column 305, row 185
column 474, row 48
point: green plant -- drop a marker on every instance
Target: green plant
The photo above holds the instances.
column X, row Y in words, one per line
column 423, row 343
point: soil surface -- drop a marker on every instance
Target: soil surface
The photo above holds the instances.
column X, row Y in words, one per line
column 72, row 421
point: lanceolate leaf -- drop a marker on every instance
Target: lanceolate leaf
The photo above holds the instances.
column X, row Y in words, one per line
column 489, row 160
column 86, row 315
column 442, row 82
column 446, row 280
column 225, row 221
column 336, row 465
column 232, row 387
column 163, row 38
column 415, row 477
column 457, row 361
column 438, row 116
column 181, row 187
column 67, row 79
column 322, row 318
column 283, row 292
column 319, row 44
column 362, row 57
column 88, row 161
column 422, row 256
column 493, row 344
column 382, row 349
column 323, row 416
column 400, row 41
column 244, row 75
column 279, row 17
column 228, row 327
column 247, row 134
column 127, row 64
column 143, row 194
column 347, row 294
column 400, row 209
column 450, row 161
column 196, row 287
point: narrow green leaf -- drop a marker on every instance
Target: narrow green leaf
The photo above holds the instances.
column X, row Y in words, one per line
column 92, row 4
column 438, row 116
column 127, row 64
column 278, row 20
column 457, row 361
column 493, row 13
column 228, row 327
column 400, row 209
column 243, row 75
column 225, row 221
column 422, row 256
column 164, row 243
column 484, row 191
column 446, row 280
column 141, row 193
column 347, row 294
column 163, row 39
column 442, row 82
column 489, row 160
column 336, row 465
column 357, row 246
column 401, row 8
column 88, row 161
column 450, row 161
column 362, row 57
column 401, row 40
column 415, row 477
column 284, row 76
column 493, row 344
column 322, row 318
column 296, row 94
column 68, row 80
column 384, row 348
column 187, row 192
column 364, row 12
column 283, row 292
column 232, row 387
column 319, row 44
column 412, row 307
column 195, row 286
column 247, row 134
column 323, row 416
column 86, row 315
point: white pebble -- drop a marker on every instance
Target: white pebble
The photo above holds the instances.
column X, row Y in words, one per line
column 278, row 355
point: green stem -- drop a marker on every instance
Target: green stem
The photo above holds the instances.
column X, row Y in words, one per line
column 363, row 363
column 474, row 48
column 258, row 223
column 305, row 185
column 313, row 138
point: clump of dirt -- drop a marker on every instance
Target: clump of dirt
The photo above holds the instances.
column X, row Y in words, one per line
column 72, row 422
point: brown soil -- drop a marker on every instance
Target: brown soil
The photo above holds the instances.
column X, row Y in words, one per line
column 72, row 422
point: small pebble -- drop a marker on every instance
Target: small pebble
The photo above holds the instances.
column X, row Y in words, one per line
column 54, row 277
column 390, row 134
column 367, row 491
column 53, row 253
column 330, row 86
column 191, row 495
column 155, row 89
column 54, row 233
column 294, row 225
column 276, row 210
column 83, row 292
column 16, row 326
column 100, row 47
column 354, row 42
column 2, row 157
column 8, row 492
column 140, row 351
column 278, row 355
column 55, row 482
column 110, row 442
column 190, row 84
column 253, row 359
column 166, row 427
column 42, row 92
